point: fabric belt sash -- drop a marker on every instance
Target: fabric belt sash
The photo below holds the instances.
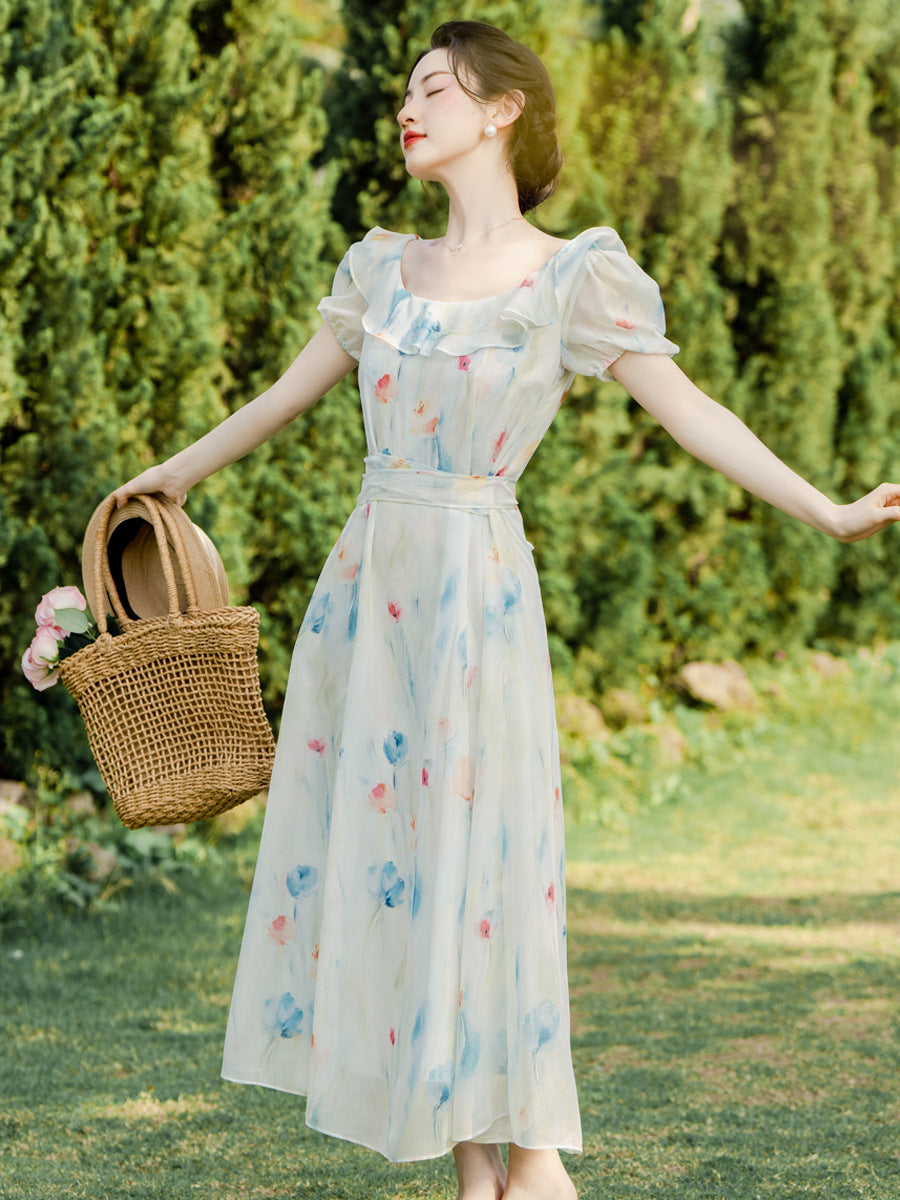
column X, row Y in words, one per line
column 403, row 481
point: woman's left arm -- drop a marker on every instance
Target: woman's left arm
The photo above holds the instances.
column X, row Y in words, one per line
column 716, row 436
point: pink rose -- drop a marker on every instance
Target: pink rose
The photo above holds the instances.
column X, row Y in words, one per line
column 39, row 662
column 59, row 597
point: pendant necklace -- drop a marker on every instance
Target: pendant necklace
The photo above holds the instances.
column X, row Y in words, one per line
column 456, row 249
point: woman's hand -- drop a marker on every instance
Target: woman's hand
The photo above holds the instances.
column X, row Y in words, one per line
column 868, row 515
column 154, row 479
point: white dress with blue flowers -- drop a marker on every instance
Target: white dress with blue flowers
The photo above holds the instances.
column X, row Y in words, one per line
column 404, row 958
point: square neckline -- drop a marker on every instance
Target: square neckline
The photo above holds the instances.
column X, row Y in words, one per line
column 410, row 237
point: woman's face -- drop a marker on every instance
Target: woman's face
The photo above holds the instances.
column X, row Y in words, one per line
column 439, row 121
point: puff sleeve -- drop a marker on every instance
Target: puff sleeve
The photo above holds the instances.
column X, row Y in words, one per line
column 615, row 307
column 344, row 308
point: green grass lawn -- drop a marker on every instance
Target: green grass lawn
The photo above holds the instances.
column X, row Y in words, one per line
column 734, row 958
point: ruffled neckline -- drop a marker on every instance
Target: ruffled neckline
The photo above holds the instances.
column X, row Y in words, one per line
column 420, row 325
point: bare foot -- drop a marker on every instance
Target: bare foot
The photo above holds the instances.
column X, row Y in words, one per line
column 480, row 1171
column 537, row 1175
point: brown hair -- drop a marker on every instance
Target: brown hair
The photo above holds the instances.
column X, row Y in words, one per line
column 496, row 65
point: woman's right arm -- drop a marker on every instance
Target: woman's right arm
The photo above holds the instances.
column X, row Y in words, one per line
column 319, row 366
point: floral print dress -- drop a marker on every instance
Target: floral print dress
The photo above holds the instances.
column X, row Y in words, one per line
column 404, row 959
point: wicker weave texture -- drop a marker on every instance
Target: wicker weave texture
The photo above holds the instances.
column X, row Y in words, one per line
column 174, row 715
column 172, row 705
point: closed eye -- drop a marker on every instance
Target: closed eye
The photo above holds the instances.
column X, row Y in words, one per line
column 436, row 92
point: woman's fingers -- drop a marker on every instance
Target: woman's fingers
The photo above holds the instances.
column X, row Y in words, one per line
column 154, row 479
column 873, row 512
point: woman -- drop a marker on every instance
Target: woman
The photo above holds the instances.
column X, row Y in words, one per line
column 403, row 962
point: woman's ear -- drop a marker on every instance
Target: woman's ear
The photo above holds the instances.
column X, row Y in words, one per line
column 505, row 110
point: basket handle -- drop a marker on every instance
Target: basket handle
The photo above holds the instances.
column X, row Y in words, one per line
column 101, row 575
column 172, row 534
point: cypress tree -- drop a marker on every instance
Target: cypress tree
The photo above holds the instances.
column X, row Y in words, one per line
column 645, row 580
column 776, row 255
column 864, row 280
column 160, row 243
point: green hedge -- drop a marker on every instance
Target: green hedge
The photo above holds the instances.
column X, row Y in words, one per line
column 179, row 177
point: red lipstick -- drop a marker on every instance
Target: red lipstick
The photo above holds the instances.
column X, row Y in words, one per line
column 410, row 136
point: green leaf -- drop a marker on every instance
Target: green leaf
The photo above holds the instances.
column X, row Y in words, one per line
column 73, row 620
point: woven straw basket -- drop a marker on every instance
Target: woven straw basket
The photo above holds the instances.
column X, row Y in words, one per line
column 172, row 703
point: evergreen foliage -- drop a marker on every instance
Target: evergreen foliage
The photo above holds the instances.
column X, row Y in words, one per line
column 163, row 243
column 177, row 182
column 864, row 282
column 644, row 583
column 776, row 253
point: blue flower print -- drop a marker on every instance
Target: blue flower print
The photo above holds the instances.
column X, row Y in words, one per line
column 317, row 612
column 396, row 747
column 390, row 887
column 512, row 591
column 425, row 331
column 471, row 1045
column 302, row 880
column 440, row 1086
column 541, row 1026
column 282, row 1016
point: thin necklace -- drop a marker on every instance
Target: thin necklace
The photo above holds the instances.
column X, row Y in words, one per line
column 456, row 249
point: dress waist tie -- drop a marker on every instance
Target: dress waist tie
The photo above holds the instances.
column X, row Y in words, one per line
column 403, row 481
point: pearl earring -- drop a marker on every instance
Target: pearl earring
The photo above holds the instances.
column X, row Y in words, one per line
column 490, row 130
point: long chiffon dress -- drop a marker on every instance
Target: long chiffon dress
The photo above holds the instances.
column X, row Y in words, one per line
column 404, row 959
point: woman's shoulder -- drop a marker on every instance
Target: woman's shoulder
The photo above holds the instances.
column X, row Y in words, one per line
column 380, row 240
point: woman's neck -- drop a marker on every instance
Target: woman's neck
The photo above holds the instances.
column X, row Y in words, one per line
column 478, row 205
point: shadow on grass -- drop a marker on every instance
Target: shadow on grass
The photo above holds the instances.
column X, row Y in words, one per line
column 737, row 1046
column 725, row 1047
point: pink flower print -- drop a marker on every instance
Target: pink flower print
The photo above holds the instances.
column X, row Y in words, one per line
column 462, row 782
column 349, row 572
column 557, row 799
column 395, row 610
column 446, row 728
column 315, row 952
column 392, row 1034
column 421, row 423
column 383, row 798
column 316, row 745
column 470, row 675
column 501, row 471
column 624, row 324
column 281, row 930
column 528, row 283
column 484, row 927
column 386, row 388
column 426, row 778
column 497, row 445
column 464, row 362
column 550, row 896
